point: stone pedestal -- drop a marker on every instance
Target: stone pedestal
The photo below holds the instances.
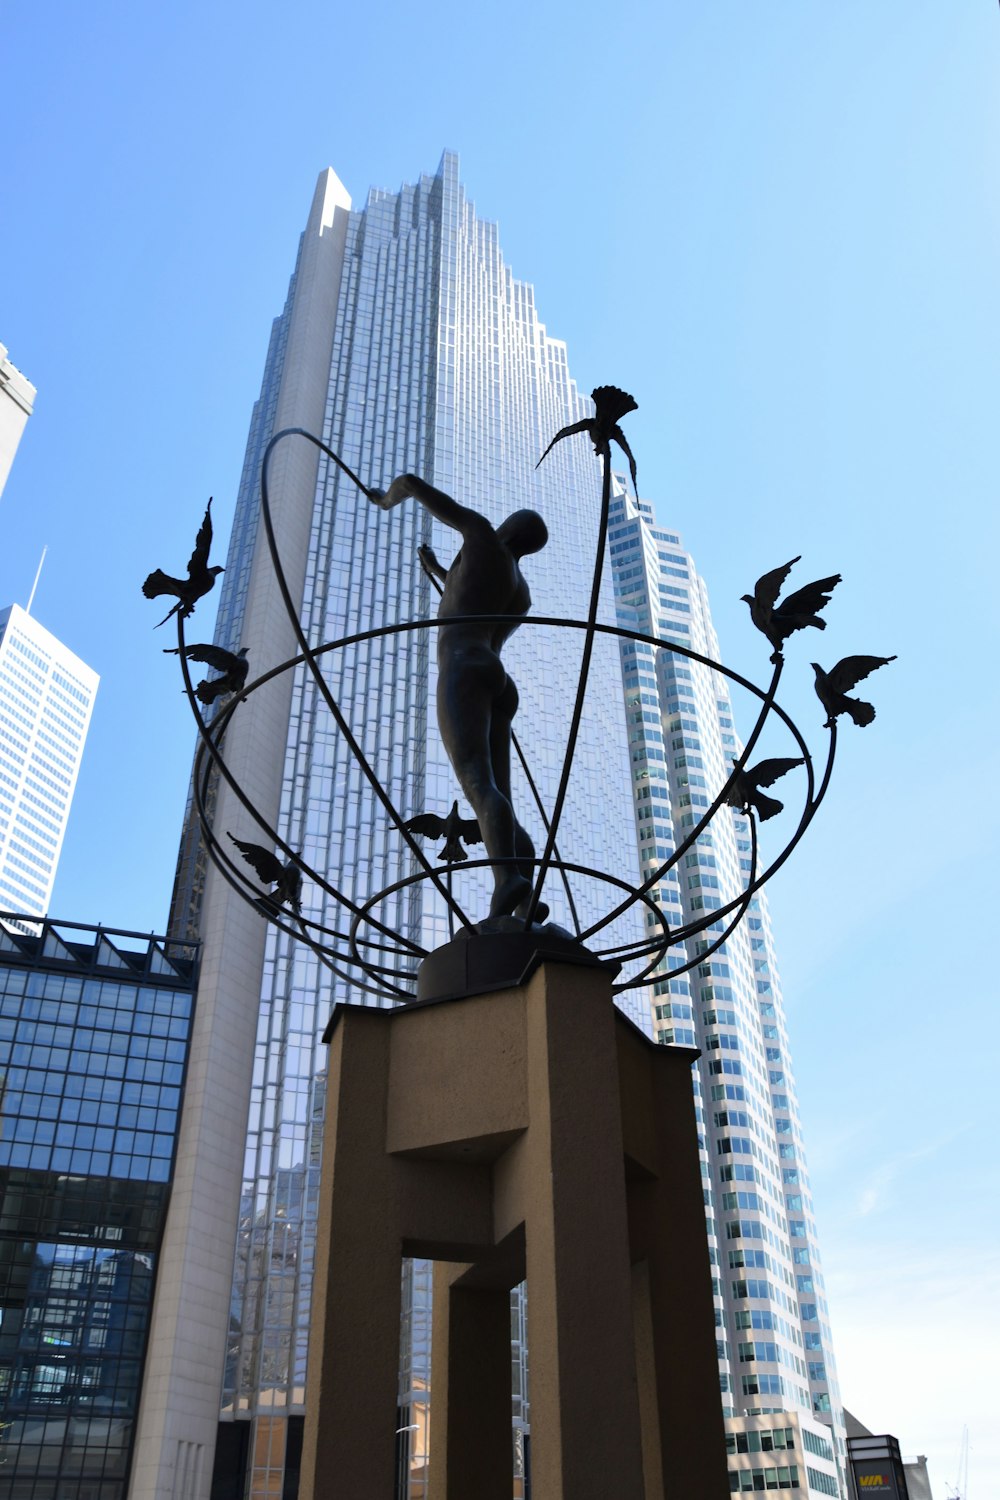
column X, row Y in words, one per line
column 533, row 1132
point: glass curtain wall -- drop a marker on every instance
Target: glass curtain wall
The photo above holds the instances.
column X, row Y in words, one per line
column 93, row 1045
column 440, row 365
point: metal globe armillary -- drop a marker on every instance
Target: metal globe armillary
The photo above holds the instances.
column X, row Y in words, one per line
column 483, row 600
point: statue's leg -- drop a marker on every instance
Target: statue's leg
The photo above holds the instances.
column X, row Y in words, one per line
column 469, row 684
column 504, row 709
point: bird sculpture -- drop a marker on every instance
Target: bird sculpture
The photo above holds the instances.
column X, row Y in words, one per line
column 779, row 621
column 454, row 828
column 745, row 791
column 832, row 688
column 612, row 404
column 233, row 668
column 200, row 580
column 286, row 879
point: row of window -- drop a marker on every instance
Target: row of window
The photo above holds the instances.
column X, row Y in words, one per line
column 762, row 1440
column 825, row 1484
column 817, row 1445
column 785, row 1477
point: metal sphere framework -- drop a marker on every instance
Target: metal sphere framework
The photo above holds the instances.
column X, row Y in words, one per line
column 374, row 957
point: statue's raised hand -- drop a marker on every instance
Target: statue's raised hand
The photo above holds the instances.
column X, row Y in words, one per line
column 429, row 562
column 399, row 489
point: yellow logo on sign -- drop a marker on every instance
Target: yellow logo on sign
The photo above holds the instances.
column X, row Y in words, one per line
column 872, row 1479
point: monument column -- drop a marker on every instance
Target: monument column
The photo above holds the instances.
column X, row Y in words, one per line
column 471, row 1437
column 354, row 1352
column 564, row 1179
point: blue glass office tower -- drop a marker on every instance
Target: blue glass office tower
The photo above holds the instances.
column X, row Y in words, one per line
column 407, row 344
column 94, row 1028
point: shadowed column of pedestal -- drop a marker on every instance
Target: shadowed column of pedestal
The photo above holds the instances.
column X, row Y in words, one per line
column 683, row 1433
column 472, row 1445
column 564, row 1181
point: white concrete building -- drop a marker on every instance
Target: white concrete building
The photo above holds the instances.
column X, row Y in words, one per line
column 783, row 1451
column 774, row 1345
column 17, row 399
column 46, row 700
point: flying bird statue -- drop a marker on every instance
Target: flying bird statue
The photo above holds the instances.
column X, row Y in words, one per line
column 832, row 688
column 286, row 879
column 779, row 621
column 612, row 404
column 200, row 580
column 233, row 668
column 745, row 791
column 454, row 828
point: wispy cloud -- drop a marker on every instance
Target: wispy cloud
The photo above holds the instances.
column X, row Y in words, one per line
column 875, row 1190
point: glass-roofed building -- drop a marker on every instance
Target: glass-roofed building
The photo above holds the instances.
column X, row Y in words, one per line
column 94, row 1029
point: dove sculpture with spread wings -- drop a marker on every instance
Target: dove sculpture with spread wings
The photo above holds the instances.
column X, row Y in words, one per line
column 779, row 621
column 832, row 687
column 233, row 666
column 454, row 828
column 612, row 404
column 745, row 791
column 200, row 580
column 286, row 879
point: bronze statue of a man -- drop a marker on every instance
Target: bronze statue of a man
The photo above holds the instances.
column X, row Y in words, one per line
column 476, row 700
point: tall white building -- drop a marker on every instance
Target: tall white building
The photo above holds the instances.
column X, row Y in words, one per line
column 17, row 400
column 407, row 344
column 46, row 699
column 775, row 1350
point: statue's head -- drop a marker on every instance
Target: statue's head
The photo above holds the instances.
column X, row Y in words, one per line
column 523, row 532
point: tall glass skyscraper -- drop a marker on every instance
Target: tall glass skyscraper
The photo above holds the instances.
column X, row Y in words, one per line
column 407, row 344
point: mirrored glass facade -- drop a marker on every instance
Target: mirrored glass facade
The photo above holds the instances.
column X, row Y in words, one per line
column 94, row 1031
column 440, row 364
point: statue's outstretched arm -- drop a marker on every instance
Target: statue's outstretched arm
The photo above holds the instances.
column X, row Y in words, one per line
column 437, row 502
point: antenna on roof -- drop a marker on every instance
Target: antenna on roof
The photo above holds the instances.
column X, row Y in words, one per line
column 31, row 596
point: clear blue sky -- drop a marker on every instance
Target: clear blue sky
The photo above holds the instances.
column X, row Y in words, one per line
column 779, row 225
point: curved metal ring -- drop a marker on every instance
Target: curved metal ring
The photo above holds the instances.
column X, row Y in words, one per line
column 473, row 864
column 212, row 739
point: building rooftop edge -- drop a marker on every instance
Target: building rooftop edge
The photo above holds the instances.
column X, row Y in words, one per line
column 27, row 938
column 70, row 658
column 16, row 384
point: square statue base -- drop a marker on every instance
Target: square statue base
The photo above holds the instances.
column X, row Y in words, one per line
column 532, row 1133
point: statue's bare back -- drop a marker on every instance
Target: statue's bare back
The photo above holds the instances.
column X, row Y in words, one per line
column 476, row 699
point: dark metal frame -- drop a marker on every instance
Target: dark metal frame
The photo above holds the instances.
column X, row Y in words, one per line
column 335, row 947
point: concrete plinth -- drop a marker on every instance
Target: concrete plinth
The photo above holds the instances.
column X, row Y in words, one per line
column 533, row 1132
